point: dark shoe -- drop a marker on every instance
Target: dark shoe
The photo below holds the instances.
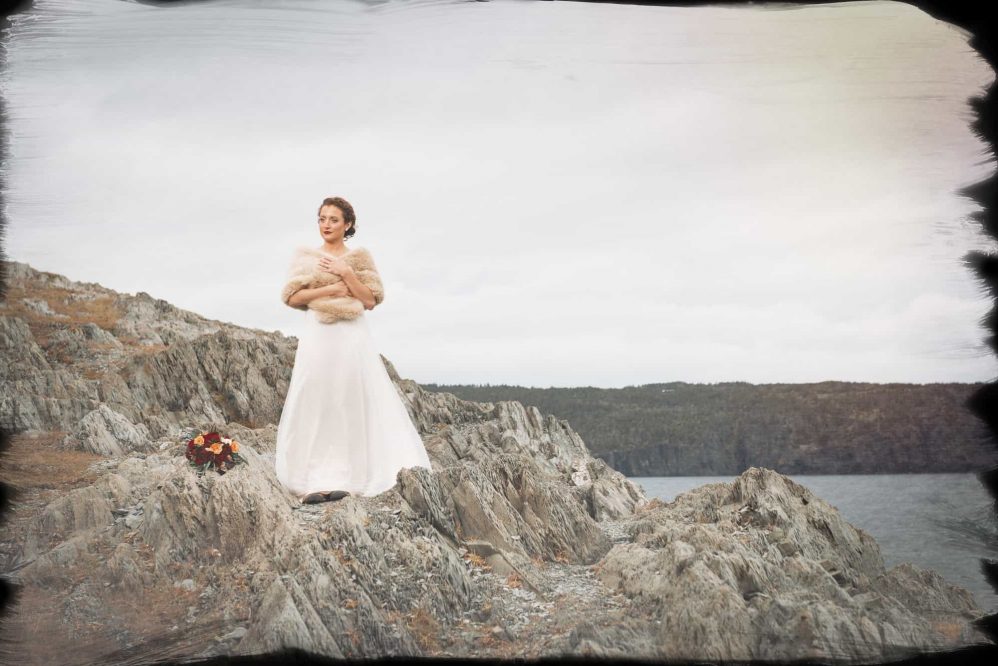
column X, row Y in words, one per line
column 334, row 495
column 313, row 498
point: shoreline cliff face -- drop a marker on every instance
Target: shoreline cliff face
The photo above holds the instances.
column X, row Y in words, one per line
column 519, row 544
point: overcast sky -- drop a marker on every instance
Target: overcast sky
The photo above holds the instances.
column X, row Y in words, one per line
column 555, row 193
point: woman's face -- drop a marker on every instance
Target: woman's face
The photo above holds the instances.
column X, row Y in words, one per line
column 331, row 224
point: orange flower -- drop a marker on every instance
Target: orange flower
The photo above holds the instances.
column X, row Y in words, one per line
column 235, row 446
column 216, row 447
column 199, row 440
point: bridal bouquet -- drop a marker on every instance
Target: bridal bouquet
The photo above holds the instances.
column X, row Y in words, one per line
column 209, row 449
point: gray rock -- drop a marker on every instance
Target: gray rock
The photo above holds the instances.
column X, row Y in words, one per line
column 106, row 432
column 517, row 542
column 234, row 635
column 41, row 307
column 721, row 596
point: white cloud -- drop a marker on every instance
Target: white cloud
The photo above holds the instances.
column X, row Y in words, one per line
column 552, row 197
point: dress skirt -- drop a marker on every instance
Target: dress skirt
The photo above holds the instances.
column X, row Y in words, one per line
column 344, row 425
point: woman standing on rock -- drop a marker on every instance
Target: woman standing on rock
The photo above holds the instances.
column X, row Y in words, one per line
column 344, row 428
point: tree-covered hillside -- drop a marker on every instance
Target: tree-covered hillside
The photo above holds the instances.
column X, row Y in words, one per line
column 818, row 428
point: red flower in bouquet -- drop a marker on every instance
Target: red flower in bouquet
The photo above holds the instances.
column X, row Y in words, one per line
column 211, row 449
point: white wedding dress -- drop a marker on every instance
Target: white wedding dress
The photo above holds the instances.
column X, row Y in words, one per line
column 344, row 425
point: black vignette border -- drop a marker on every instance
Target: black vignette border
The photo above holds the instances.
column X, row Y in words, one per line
column 970, row 15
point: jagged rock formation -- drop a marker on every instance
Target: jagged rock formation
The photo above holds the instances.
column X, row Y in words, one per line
column 741, row 570
column 519, row 543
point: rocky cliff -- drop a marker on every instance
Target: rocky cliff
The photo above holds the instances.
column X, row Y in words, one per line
column 518, row 544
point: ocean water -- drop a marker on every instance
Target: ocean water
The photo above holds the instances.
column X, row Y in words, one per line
column 917, row 518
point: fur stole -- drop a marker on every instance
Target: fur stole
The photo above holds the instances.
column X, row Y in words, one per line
column 304, row 273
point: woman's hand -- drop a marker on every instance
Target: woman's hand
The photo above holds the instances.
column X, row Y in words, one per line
column 334, row 265
column 337, row 289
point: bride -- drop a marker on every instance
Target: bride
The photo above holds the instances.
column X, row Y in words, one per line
column 344, row 429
